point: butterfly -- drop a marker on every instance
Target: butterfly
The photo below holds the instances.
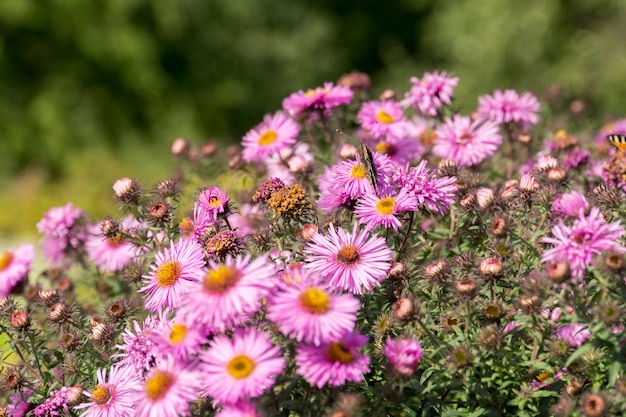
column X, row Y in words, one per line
column 368, row 163
column 619, row 141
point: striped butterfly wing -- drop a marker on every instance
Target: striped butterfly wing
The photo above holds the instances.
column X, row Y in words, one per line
column 368, row 163
column 619, row 141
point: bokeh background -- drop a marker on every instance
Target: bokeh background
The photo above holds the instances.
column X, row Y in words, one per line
column 91, row 91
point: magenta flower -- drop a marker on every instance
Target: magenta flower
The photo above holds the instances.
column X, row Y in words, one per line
column 311, row 313
column 431, row 93
column 247, row 219
column 576, row 158
column 401, row 147
column 509, row 106
column 333, row 363
column 14, row 267
column 114, row 396
column 18, row 404
column 168, row 389
column 173, row 274
column 178, row 339
column 241, row 368
column 380, row 118
column 239, row 409
column 616, row 127
column 574, row 334
column 276, row 132
column 112, row 254
column 579, row 243
column 374, row 210
column 58, row 221
column 139, row 349
column 465, row 142
column 352, row 262
column 320, row 98
column 55, row 405
column 213, row 200
column 436, row 194
column 403, row 355
column 227, row 293
column 570, row 204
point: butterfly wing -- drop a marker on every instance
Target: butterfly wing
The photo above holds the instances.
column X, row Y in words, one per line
column 619, row 141
column 368, row 164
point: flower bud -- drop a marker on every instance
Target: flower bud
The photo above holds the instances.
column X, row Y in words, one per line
column 356, row 80
column 403, row 308
column 558, row 271
column 75, row 395
column 528, row 183
column 485, row 198
column 160, row 213
column 388, row 94
column 49, row 297
column 490, row 268
column 468, row 201
column 500, row 227
column 397, row 271
column 529, row 303
column 69, row 341
column 309, row 231
column 436, row 271
column 59, row 312
column 614, row 261
column 524, row 138
column 127, row 190
column 466, row 287
column 168, row 188
column 557, row 174
column 20, row 320
column 100, row 331
column 180, row 147
column 208, row 149
column 510, row 190
column 347, row 151
column 447, row 168
column 110, row 228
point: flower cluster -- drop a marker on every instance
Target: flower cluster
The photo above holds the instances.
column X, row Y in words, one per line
column 419, row 264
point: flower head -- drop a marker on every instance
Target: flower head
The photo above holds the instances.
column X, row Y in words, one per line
column 374, row 210
column 112, row 253
column 240, row 368
column 352, row 262
column 403, row 354
column 227, row 293
column 172, row 274
column 431, row 93
column 139, row 348
column 465, row 142
column 436, row 194
column 114, row 396
column 310, row 312
column 320, row 98
column 570, row 204
column 380, row 118
column 14, row 267
column 277, row 132
column 581, row 242
column 333, row 363
column 509, row 106
column 214, row 201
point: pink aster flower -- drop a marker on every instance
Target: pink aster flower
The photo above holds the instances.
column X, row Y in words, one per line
column 138, row 349
column 465, row 142
column 509, row 106
column 55, row 405
column 114, row 396
column 241, row 368
column 333, row 363
column 373, row 210
column 14, row 267
column 436, row 194
column 62, row 229
column 112, row 254
column 168, row 389
column 574, row 334
column 288, row 163
column 431, row 93
column 277, row 132
column 320, row 98
column 570, row 204
column 403, row 354
column 352, row 262
column 617, row 127
column 18, row 404
column 179, row 339
column 58, row 221
column 579, row 243
column 213, row 200
column 380, row 118
column 247, row 219
column 401, row 147
column 227, row 293
column 173, row 274
column 310, row 312
column 239, row 409
column 576, row 158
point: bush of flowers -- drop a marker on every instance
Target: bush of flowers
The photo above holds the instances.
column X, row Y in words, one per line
column 356, row 256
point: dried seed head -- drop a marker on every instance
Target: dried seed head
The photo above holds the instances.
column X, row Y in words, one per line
column 468, row 201
column 59, row 312
column 620, row 385
column 573, row 388
column 168, row 188
column 493, row 311
column 529, row 303
column 614, row 261
column 265, row 191
column 609, row 311
column 69, row 341
column 160, row 213
column 461, row 357
column 594, row 404
column 13, row 379
column 447, row 168
column 606, row 196
column 116, row 310
column 134, row 270
column 450, row 321
column 466, row 287
column 222, row 243
column 563, row 407
column 289, row 201
column 500, row 227
column 49, row 297
column 490, row 337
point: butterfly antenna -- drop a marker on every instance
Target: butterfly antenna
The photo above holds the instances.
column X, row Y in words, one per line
column 341, row 132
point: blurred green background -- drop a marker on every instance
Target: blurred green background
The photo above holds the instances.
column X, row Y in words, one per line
column 91, row 91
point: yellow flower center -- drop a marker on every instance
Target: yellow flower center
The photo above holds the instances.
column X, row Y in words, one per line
column 215, row 201
column 338, row 352
column 543, row 376
column 428, row 137
column 315, row 301
column 384, row 117
column 221, row 279
column 386, row 206
column 5, row 260
column 348, row 255
column 167, row 273
column 310, row 93
column 384, row 148
column 358, row 171
column 101, row 394
column 116, row 240
column 267, row 138
column 158, row 384
column 240, row 366
column 178, row 333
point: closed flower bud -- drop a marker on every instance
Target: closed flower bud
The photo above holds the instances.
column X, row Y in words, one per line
column 468, row 201
column 59, row 312
column 75, row 395
column 573, row 388
column 20, row 320
column 110, row 228
column 436, row 271
column 500, row 227
column 180, row 147
column 529, row 303
column 101, row 331
column 609, row 312
column 490, row 337
column 127, row 190
column 309, row 231
column 558, row 271
column 347, row 151
column 528, row 183
column 447, row 168
column 49, row 297
column 510, row 190
column 388, row 94
column 490, row 268
column 159, row 213
column 557, row 174
column 485, row 198
column 594, row 404
column 397, row 271
column 465, row 287
column 168, row 188
column 524, row 138
column 69, row 341
column 208, row 149
column 356, row 80
column 403, row 308
column 236, row 163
